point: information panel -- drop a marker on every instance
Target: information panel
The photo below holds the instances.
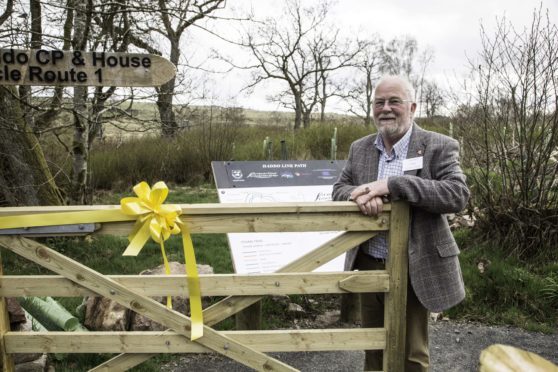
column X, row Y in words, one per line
column 272, row 182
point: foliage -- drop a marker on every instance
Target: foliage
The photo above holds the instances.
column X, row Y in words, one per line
column 503, row 290
column 186, row 159
column 211, row 134
column 510, row 134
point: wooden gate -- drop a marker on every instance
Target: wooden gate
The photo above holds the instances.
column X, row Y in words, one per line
column 246, row 347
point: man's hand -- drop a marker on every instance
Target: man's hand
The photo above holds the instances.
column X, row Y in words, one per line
column 369, row 197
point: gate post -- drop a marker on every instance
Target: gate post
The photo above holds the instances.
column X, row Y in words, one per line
column 6, row 359
column 396, row 298
column 249, row 318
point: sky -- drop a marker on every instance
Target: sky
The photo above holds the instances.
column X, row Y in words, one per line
column 451, row 28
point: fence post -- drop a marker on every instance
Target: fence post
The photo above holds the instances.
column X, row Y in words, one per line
column 268, row 149
column 333, row 150
column 6, row 359
column 249, row 318
column 265, row 146
column 283, row 150
column 350, row 308
column 396, row 298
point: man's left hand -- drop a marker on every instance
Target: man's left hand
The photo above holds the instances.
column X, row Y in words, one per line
column 369, row 195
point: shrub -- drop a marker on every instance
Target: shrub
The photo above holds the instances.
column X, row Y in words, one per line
column 186, row 159
column 510, row 132
column 501, row 289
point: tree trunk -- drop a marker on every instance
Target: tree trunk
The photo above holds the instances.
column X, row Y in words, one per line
column 166, row 94
column 323, row 98
column 369, row 98
column 306, row 117
column 80, row 153
column 25, row 178
column 25, row 92
column 298, row 112
column 166, row 113
column 322, row 110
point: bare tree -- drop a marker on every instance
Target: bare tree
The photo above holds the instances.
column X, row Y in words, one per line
column 425, row 59
column 86, row 26
column 80, row 150
column 398, row 56
column 24, row 175
column 169, row 20
column 376, row 58
column 296, row 49
column 7, row 11
column 93, row 26
column 511, row 135
column 367, row 71
column 432, row 97
column 326, row 50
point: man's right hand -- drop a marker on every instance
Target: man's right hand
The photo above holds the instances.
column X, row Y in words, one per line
column 370, row 207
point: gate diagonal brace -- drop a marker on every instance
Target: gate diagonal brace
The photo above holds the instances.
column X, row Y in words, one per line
column 233, row 304
column 146, row 306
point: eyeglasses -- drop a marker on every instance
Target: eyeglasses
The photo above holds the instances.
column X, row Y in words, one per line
column 392, row 102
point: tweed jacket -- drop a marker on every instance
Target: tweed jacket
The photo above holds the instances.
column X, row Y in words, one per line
column 438, row 188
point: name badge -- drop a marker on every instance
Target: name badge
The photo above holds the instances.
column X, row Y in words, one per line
column 412, row 163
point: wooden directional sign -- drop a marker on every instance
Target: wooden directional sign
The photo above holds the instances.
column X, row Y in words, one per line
column 74, row 68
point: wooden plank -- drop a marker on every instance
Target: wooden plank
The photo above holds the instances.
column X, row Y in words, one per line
column 327, row 251
column 146, row 306
column 269, row 222
column 5, row 357
column 171, row 342
column 263, row 217
column 76, row 68
column 212, row 285
column 121, row 364
column 396, row 298
column 362, row 283
column 232, row 304
column 499, row 358
column 207, row 208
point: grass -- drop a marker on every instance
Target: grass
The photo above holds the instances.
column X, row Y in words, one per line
column 506, row 291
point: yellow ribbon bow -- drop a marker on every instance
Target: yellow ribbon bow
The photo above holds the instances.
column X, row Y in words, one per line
column 154, row 218
column 159, row 221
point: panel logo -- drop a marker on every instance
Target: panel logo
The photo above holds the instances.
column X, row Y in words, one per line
column 236, row 174
column 287, row 175
column 326, row 174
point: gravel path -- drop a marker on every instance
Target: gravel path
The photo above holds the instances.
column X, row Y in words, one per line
column 454, row 346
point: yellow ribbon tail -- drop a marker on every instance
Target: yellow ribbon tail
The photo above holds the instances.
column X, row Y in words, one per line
column 196, row 312
column 167, row 270
column 138, row 240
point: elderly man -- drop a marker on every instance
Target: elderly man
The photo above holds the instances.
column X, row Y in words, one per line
column 405, row 162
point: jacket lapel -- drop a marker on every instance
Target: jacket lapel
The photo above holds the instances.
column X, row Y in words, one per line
column 417, row 147
column 372, row 160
